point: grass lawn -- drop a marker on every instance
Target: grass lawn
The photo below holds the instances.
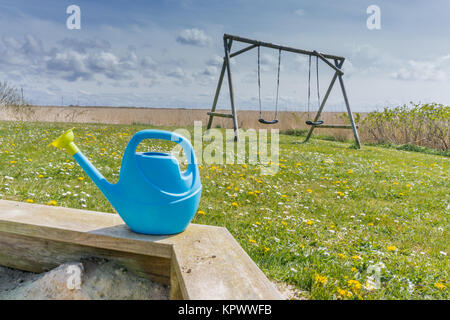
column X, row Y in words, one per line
column 335, row 222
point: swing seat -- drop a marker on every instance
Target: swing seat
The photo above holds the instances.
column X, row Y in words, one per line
column 268, row 122
column 314, row 123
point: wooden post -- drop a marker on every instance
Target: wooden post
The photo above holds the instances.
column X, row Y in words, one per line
column 349, row 111
column 216, row 97
column 227, row 46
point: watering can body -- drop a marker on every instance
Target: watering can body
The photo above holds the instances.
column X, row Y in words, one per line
column 152, row 195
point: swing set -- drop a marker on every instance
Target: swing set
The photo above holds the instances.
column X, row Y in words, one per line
column 316, row 122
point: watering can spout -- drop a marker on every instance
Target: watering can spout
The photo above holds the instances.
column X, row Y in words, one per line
column 66, row 142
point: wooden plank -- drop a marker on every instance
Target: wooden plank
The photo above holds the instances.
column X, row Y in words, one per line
column 330, row 126
column 100, row 230
column 203, row 262
column 214, row 265
column 40, row 255
column 217, row 114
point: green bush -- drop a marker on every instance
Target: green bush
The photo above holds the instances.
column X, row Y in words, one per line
column 425, row 125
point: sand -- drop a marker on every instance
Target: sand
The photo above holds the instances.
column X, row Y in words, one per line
column 91, row 279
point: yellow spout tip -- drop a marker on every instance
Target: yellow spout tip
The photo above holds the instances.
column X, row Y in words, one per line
column 66, row 141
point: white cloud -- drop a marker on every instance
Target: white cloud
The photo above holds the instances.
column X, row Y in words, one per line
column 215, row 61
column 85, row 44
column 194, row 37
column 210, row 71
column 431, row 70
column 70, row 59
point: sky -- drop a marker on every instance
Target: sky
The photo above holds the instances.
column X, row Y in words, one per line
column 168, row 53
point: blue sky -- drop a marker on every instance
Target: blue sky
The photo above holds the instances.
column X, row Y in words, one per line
column 168, row 53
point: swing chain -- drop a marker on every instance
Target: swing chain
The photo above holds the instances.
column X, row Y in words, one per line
column 309, row 122
column 278, row 83
column 275, row 120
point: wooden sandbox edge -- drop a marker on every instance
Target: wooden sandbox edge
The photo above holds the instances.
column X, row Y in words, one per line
column 203, row 262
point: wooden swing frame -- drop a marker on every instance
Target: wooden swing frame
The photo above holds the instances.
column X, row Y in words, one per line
column 336, row 65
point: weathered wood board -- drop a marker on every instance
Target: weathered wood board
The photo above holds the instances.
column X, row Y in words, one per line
column 203, row 262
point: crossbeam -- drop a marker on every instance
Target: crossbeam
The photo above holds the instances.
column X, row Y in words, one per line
column 279, row 47
column 336, row 126
column 218, row 114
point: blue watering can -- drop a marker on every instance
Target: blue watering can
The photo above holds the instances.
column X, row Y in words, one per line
column 152, row 195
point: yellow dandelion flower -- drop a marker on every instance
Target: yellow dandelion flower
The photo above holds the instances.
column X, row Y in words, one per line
column 12, row 161
column 350, row 171
column 440, row 285
column 309, row 190
column 340, row 255
column 341, row 292
column 355, row 285
column 355, row 257
column 30, row 200
column 391, row 248
column 252, row 241
column 80, row 178
column 266, row 249
column 354, row 269
column 235, row 204
column 201, row 212
column 41, row 176
column 309, row 222
column 51, row 203
column 321, row 279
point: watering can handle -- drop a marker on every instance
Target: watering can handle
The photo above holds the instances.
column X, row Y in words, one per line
column 162, row 135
